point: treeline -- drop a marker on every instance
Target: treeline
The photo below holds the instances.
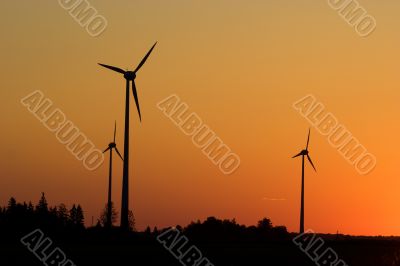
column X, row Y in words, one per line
column 215, row 230
column 22, row 217
column 16, row 217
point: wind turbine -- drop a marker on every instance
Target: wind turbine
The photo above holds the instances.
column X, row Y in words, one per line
column 129, row 76
column 303, row 153
column 110, row 148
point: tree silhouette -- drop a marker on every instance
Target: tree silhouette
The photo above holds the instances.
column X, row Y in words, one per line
column 155, row 230
column 131, row 221
column 80, row 218
column 72, row 214
column 42, row 207
column 62, row 214
column 12, row 203
column 104, row 214
column 264, row 224
column 147, row 231
column 76, row 217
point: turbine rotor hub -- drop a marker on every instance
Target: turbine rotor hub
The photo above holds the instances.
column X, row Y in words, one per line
column 129, row 75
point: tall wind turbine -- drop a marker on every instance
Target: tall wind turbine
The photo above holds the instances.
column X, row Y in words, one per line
column 110, row 148
column 129, row 76
column 303, row 153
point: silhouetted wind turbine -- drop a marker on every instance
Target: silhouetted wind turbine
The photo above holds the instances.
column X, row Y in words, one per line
column 110, row 148
column 129, row 76
column 303, row 153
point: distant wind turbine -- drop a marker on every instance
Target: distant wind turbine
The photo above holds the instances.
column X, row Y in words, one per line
column 303, row 153
column 110, row 148
column 129, row 76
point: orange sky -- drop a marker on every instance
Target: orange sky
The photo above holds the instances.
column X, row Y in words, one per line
column 240, row 65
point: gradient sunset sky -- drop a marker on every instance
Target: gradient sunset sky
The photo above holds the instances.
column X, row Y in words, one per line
column 240, row 65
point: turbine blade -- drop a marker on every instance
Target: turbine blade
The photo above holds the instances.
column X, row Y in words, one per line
column 144, row 59
column 136, row 99
column 118, row 153
column 297, row 155
column 106, row 149
column 116, row 69
column 115, row 129
column 308, row 139
column 309, row 159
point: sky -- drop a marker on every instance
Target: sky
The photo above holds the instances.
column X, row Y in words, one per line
column 240, row 66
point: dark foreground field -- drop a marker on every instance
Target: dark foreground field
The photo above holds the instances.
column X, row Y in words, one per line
column 94, row 248
column 221, row 242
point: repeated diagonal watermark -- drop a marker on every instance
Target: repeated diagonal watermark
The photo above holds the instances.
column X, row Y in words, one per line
column 44, row 249
column 355, row 15
column 64, row 130
column 338, row 136
column 316, row 249
column 178, row 245
column 85, row 15
column 201, row 134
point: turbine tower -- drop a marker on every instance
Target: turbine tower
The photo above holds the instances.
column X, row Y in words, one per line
column 303, row 153
column 129, row 76
column 110, row 148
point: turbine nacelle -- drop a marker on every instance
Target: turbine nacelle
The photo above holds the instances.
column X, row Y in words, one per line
column 302, row 153
column 112, row 145
column 305, row 152
column 130, row 75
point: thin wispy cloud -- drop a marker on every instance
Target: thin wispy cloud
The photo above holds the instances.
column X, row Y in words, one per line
column 274, row 199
